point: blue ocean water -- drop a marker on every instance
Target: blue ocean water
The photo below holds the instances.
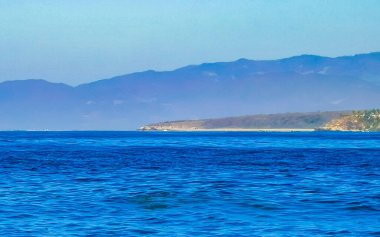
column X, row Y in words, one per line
column 189, row 184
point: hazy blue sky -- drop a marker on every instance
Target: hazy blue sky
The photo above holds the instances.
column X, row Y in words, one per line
column 76, row 41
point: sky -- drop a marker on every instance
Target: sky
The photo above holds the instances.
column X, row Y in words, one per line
column 79, row 41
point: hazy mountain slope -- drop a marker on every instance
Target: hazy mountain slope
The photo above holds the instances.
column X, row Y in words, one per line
column 297, row 84
column 36, row 104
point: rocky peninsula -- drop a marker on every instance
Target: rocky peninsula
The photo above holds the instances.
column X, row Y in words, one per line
column 364, row 120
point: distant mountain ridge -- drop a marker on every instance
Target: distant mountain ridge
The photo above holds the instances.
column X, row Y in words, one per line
column 297, row 84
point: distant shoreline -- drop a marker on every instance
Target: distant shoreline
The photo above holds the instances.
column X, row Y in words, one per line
column 235, row 130
column 334, row 121
column 255, row 130
column 285, row 130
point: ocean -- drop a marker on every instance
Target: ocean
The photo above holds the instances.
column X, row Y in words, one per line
column 189, row 184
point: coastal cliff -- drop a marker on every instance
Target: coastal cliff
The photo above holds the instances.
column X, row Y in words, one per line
column 367, row 120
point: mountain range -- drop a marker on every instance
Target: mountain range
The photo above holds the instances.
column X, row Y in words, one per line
column 303, row 83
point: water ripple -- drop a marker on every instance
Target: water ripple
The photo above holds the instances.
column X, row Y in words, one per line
column 189, row 184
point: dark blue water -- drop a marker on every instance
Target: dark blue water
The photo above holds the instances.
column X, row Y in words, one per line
column 189, row 184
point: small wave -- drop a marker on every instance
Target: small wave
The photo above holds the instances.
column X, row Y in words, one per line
column 362, row 208
column 88, row 179
column 339, row 232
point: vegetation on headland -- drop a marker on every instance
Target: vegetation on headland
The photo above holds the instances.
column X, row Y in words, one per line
column 263, row 122
column 365, row 120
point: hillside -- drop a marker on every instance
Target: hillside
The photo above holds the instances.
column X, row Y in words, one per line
column 367, row 120
column 212, row 90
column 270, row 121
